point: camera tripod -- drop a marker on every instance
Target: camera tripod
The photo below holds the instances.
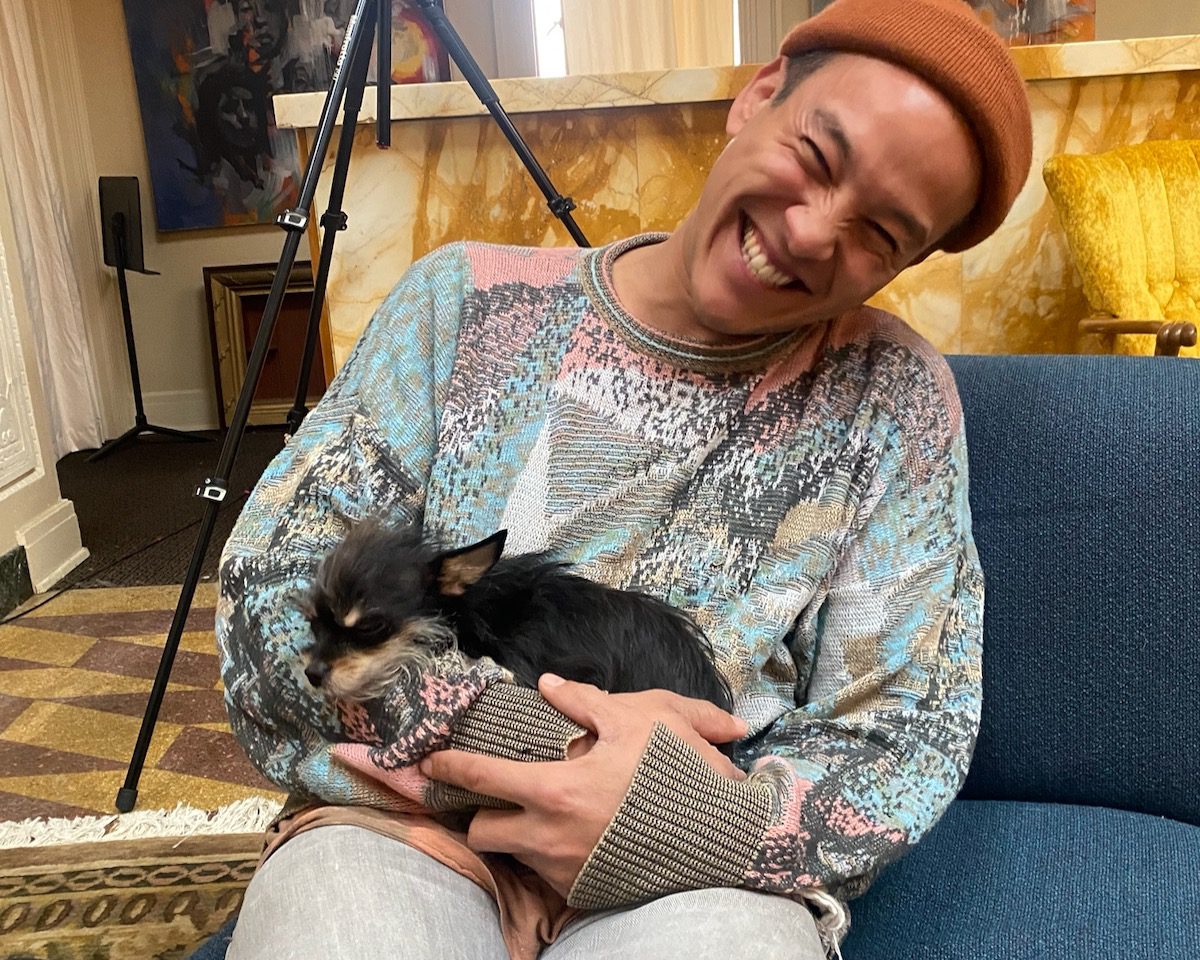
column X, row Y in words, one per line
column 346, row 91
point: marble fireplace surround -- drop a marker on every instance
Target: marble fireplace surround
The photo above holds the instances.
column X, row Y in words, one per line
column 633, row 149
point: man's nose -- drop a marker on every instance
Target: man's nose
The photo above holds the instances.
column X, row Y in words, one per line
column 316, row 671
column 811, row 233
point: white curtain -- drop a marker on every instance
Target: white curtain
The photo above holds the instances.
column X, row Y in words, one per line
column 44, row 246
column 609, row 36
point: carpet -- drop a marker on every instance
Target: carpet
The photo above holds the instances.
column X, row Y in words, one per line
column 154, row 899
column 138, row 512
column 74, row 678
column 77, row 881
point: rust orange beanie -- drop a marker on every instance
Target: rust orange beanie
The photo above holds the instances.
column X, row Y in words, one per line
column 943, row 43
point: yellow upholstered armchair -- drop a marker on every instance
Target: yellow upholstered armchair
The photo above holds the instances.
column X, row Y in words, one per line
column 1132, row 218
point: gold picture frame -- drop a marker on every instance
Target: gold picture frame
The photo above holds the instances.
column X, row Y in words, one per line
column 236, row 295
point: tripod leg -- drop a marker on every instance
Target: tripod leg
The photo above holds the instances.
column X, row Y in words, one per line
column 136, row 431
column 383, row 76
column 333, row 221
column 127, row 795
column 114, row 445
column 177, row 434
column 559, row 205
column 213, row 489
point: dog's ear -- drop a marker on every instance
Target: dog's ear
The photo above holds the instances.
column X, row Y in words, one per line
column 303, row 601
column 456, row 570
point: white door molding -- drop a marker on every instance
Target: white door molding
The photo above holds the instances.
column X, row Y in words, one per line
column 20, row 457
column 516, row 38
column 763, row 24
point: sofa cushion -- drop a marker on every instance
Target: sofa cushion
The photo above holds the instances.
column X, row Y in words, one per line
column 1085, row 496
column 1011, row 881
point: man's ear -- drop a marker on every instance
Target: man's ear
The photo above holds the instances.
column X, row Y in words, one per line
column 456, row 570
column 755, row 95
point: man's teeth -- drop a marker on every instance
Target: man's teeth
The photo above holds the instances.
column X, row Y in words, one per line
column 756, row 260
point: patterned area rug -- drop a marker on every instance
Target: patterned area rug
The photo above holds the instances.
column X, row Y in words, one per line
column 74, row 677
column 157, row 882
column 121, row 900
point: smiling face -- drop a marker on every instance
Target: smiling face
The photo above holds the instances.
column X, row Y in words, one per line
column 822, row 197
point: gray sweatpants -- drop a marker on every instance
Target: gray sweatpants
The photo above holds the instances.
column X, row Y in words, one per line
column 345, row 892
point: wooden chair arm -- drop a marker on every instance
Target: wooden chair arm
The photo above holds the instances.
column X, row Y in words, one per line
column 1170, row 335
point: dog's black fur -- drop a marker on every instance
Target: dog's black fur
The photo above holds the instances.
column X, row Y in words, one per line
column 383, row 600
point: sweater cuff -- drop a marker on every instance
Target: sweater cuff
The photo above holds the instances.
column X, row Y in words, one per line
column 516, row 723
column 682, row 826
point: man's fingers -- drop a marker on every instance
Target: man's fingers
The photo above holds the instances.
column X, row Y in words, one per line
column 699, row 722
column 591, row 707
column 496, row 831
column 713, row 757
column 723, row 765
column 587, row 705
column 496, row 777
column 709, row 720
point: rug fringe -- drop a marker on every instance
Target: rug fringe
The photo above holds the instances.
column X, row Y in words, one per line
column 251, row 815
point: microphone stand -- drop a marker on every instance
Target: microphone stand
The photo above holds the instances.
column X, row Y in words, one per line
column 346, row 91
column 117, row 227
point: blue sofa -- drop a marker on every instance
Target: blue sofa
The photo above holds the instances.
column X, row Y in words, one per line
column 1077, row 833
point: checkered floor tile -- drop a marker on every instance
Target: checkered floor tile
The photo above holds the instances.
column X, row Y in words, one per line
column 74, row 678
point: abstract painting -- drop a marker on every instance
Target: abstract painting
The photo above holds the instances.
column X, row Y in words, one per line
column 1023, row 22
column 206, row 73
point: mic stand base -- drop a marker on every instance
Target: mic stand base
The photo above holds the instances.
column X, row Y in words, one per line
column 142, row 426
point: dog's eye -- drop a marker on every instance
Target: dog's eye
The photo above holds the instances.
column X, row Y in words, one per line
column 371, row 626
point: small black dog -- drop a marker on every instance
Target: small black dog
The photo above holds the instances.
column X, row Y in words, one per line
column 384, row 601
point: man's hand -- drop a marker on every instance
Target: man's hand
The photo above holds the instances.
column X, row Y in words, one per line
column 566, row 806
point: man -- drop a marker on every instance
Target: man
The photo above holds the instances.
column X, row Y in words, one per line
column 711, row 417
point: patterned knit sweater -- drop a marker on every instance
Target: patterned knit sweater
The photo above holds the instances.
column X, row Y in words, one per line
column 803, row 496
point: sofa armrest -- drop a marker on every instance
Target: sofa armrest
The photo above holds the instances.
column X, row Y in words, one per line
column 1171, row 335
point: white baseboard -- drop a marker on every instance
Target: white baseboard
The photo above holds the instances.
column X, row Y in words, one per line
column 52, row 545
column 181, row 409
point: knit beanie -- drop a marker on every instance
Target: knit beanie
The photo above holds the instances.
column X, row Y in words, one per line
column 942, row 42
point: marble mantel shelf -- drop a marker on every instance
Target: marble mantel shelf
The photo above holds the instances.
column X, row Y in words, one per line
column 706, row 84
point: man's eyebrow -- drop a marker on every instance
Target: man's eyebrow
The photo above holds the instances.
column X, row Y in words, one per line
column 832, row 128
column 916, row 231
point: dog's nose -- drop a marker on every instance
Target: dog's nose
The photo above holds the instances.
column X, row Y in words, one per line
column 316, row 671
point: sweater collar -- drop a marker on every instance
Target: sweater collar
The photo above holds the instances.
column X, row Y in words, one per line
column 747, row 356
